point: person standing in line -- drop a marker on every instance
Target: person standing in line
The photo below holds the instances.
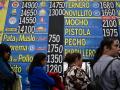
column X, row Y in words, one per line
column 37, row 76
column 7, row 76
column 75, row 78
column 108, row 50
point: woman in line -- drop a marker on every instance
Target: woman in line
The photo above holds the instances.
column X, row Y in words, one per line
column 7, row 76
column 39, row 80
column 75, row 77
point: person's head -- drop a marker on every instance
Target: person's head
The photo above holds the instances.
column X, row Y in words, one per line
column 5, row 51
column 73, row 58
column 78, row 60
column 39, row 59
column 108, row 46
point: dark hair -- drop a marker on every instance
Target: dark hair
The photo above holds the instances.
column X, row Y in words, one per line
column 71, row 57
column 78, row 55
column 4, row 48
column 108, row 41
column 105, row 42
column 36, row 61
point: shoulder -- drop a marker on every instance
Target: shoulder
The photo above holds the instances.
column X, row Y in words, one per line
column 116, row 63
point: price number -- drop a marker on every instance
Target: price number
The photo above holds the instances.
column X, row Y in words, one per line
column 55, row 58
column 55, row 48
column 30, row 4
column 108, row 12
column 107, row 5
column 110, row 32
column 109, row 23
column 29, row 12
column 54, row 68
column 57, row 5
column 54, row 38
column 26, row 29
column 27, row 20
column 56, row 12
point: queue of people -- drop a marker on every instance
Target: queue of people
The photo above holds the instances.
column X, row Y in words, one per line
column 74, row 78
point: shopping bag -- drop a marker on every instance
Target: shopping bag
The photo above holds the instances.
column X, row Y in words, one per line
column 17, row 83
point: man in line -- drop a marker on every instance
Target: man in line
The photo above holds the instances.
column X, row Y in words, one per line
column 107, row 51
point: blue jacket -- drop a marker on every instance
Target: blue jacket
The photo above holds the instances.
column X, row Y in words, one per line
column 6, row 77
column 39, row 80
